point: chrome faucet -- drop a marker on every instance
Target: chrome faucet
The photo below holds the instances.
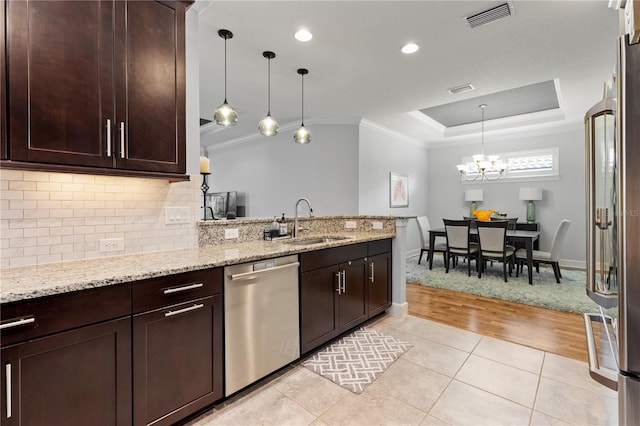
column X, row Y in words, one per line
column 295, row 222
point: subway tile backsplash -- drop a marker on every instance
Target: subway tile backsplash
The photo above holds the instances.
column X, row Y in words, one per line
column 52, row 217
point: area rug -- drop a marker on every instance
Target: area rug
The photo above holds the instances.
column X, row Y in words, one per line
column 569, row 295
column 357, row 360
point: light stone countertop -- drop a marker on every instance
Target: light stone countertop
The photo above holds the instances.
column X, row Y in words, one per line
column 30, row 282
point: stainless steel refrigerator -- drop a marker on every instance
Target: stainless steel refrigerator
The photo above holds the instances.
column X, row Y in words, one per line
column 613, row 233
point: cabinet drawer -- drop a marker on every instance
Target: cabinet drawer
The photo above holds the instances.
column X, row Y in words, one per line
column 331, row 256
column 172, row 289
column 379, row 247
column 38, row 317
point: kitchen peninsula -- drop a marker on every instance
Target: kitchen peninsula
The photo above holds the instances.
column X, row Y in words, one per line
column 135, row 326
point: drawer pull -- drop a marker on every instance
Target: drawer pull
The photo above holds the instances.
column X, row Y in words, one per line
column 183, row 288
column 7, row 378
column 182, row 311
column 17, row 323
column 372, row 277
column 108, row 137
column 122, row 139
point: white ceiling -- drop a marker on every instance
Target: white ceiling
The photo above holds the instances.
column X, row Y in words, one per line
column 356, row 69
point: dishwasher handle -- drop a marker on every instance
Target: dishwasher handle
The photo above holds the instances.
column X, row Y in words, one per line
column 249, row 275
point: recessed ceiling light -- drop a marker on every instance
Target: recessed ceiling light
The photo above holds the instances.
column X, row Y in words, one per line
column 410, row 48
column 303, row 35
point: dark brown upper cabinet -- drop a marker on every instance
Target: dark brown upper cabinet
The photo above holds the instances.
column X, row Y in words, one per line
column 97, row 84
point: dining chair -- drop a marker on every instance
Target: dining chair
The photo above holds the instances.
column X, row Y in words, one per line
column 550, row 257
column 492, row 240
column 424, row 227
column 459, row 242
column 512, row 222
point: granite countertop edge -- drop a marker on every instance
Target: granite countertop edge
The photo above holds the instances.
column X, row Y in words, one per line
column 30, row 282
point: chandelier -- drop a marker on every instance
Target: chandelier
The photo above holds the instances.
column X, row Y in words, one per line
column 482, row 167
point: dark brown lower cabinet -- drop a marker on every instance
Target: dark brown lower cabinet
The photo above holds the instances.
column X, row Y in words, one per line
column 335, row 298
column 379, row 283
column 76, row 377
column 177, row 360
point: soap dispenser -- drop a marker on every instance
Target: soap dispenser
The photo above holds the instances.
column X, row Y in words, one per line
column 282, row 226
column 275, row 228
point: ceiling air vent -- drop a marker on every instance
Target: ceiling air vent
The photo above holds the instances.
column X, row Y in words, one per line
column 489, row 15
column 461, row 89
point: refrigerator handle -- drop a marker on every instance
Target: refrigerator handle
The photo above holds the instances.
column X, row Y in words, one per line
column 602, row 375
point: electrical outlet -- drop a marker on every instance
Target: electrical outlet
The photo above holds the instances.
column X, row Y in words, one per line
column 350, row 224
column 177, row 215
column 111, row 244
column 230, row 233
column 376, row 225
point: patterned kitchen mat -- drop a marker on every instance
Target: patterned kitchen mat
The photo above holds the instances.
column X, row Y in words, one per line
column 357, row 360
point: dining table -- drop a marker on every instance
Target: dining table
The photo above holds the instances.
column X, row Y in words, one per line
column 528, row 238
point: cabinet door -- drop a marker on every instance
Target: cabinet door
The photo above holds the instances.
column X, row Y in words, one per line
column 318, row 307
column 177, row 360
column 79, row 377
column 379, row 283
column 60, row 85
column 353, row 304
column 150, row 84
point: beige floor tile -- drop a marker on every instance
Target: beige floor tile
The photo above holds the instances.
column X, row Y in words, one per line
column 267, row 407
column 574, row 373
column 541, row 419
column 575, row 405
column 310, row 390
column 462, row 404
column 432, row 421
column 413, row 384
column 503, row 380
column 511, row 354
column 434, row 356
column 372, row 407
column 450, row 336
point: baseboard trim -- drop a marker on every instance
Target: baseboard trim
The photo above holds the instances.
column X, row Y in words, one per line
column 398, row 309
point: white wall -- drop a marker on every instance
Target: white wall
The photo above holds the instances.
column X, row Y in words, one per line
column 563, row 198
column 272, row 173
column 382, row 152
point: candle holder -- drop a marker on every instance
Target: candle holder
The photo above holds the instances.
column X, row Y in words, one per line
column 205, row 187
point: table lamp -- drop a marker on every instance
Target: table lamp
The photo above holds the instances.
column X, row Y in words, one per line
column 473, row 195
column 531, row 194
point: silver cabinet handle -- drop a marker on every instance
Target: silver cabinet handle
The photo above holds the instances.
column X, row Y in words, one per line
column 17, row 323
column 183, row 288
column 183, row 310
column 372, row 277
column 339, row 276
column 7, row 378
column 108, row 137
column 122, row 139
column 344, row 281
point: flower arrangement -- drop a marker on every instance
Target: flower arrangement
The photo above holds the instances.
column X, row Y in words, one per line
column 482, row 215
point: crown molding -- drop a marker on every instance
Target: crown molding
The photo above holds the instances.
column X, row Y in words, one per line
column 392, row 133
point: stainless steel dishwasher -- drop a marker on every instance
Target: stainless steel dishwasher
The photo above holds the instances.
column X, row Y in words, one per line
column 261, row 320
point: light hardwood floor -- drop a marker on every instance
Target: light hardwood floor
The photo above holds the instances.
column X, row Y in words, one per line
column 552, row 331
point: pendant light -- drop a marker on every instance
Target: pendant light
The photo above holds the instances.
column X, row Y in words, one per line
column 268, row 126
column 225, row 115
column 302, row 135
column 483, row 167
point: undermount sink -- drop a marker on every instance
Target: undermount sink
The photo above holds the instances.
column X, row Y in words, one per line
column 316, row 240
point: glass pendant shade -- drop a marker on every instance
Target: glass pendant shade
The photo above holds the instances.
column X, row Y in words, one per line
column 302, row 135
column 225, row 115
column 268, row 126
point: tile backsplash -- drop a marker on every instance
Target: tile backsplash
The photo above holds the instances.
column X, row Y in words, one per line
column 52, row 217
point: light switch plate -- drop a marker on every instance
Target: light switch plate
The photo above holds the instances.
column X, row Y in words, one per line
column 174, row 215
column 376, row 225
column 350, row 224
column 230, row 233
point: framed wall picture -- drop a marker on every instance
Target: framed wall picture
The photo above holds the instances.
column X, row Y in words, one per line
column 398, row 190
